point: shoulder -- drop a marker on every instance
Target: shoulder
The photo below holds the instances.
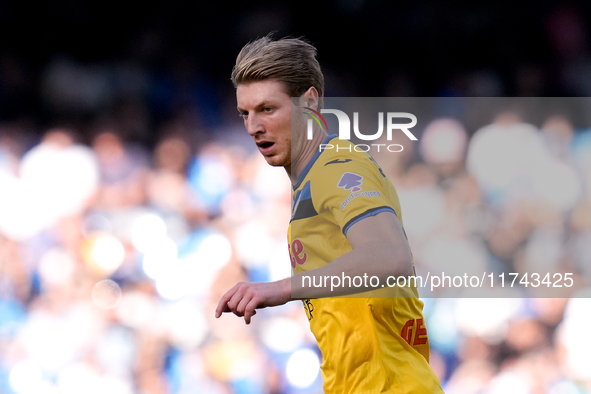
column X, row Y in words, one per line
column 333, row 164
column 338, row 175
column 340, row 168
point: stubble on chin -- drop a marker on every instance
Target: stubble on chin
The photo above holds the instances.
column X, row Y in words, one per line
column 276, row 161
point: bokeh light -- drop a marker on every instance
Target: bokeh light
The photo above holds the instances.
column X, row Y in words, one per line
column 107, row 252
column 302, row 368
column 147, row 229
column 159, row 257
column 186, row 324
column 25, row 377
column 282, row 335
column 106, row 294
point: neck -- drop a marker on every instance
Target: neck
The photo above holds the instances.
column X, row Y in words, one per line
column 307, row 151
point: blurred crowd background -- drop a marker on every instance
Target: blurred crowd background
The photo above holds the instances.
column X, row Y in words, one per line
column 131, row 198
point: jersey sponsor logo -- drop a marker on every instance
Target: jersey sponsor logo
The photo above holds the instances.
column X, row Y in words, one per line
column 350, row 181
column 352, row 196
column 338, row 161
column 416, row 327
column 297, row 254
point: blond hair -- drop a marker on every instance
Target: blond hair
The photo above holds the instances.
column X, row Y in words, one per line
column 291, row 61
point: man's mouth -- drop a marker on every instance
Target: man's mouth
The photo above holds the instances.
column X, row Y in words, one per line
column 265, row 145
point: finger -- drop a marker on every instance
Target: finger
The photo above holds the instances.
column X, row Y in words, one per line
column 235, row 301
column 223, row 303
column 250, row 309
column 244, row 301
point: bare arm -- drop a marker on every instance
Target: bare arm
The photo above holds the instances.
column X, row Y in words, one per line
column 380, row 249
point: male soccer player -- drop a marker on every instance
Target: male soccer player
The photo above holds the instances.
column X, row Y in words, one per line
column 345, row 223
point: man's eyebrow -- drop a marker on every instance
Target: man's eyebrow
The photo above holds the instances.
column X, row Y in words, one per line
column 260, row 105
column 264, row 103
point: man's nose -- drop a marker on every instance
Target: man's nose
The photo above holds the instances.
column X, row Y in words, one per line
column 253, row 125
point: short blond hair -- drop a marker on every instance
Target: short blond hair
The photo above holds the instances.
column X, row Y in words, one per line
column 291, row 61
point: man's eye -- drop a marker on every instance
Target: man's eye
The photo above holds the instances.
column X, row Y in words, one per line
column 268, row 109
column 243, row 114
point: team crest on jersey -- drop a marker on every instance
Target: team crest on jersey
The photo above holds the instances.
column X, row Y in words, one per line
column 351, row 181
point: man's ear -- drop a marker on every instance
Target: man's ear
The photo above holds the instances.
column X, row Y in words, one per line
column 311, row 98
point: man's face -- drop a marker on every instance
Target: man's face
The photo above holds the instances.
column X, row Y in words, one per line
column 266, row 109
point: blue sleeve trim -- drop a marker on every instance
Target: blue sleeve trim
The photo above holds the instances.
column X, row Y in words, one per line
column 369, row 212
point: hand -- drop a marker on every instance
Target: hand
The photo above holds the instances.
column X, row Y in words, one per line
column 245, row 297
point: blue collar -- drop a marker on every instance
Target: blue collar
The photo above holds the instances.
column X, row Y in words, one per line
column 311, row 162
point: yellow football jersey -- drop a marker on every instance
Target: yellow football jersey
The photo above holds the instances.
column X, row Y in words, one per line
column 369, row 345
